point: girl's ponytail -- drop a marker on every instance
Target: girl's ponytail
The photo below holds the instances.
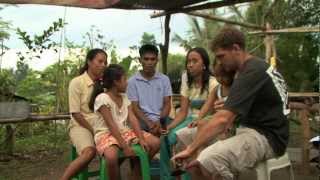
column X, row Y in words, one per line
column 97, row 89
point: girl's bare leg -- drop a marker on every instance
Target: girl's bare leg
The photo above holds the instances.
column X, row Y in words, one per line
column 111, row 156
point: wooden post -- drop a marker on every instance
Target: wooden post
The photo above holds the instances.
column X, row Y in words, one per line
column 305, row 129
column 8, row 143
column 165, row 48
column 268, row 44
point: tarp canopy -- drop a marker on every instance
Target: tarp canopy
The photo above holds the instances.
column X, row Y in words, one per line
column 121, row 4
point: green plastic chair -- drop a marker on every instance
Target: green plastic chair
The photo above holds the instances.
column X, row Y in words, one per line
column 102, row 172
column 144, row 162
column 84, row 174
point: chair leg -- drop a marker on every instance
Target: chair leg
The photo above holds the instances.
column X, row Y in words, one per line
column 262, row 173
column 103, row 169
column 143, row 159
column 145, row 168
column 144, row 162
column 291, row 172
column 73, row 154
column 83, row 175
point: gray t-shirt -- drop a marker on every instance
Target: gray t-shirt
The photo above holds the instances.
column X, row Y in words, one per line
column 259, row 98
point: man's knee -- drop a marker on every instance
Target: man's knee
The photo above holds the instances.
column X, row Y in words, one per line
column 195, row 168
column 217, row 159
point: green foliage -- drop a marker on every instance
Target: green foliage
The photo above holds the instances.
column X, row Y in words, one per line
column 127, row 64
column 8, row 84
column 176, row 67
column 148, row 38
column 94, row 38
column 22, row 70
column 298, row 61
column 113, row 55
column 40, row 136
column 200, row 34
column 4, row 28
column 35, row 46
column 4, row 35
column 40, row 42
column 298, row 53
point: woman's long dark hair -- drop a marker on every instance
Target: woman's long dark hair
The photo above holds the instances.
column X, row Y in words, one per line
column 90, row 56
column 206, row 72
column 112, row 73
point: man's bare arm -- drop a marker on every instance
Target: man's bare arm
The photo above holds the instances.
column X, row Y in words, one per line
column 217, row 125
column 81, row 121
column 166, row 107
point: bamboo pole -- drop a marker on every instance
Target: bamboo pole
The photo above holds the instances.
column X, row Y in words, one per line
column 210, row 5
column 35, row 118
column 288, row 30
column 211, row 17
column 304, row 94
column 268, row 44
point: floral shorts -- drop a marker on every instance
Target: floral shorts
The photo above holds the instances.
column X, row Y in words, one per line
column 106, row 140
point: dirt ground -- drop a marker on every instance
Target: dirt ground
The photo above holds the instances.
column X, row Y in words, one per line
column 45, row 165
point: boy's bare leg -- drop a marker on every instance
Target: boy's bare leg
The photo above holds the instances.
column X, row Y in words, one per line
column 153, row 144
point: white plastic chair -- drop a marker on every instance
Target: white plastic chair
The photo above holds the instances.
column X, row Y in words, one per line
column 265, row 168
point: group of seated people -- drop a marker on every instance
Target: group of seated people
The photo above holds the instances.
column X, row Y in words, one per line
column 110, row 113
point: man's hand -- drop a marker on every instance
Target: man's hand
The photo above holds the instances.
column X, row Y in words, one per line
column 185, row 154
column 218, row 104
column 154, row 127
column 91, row 130
column 170, row 126
column 191, row 164
column 193, row 124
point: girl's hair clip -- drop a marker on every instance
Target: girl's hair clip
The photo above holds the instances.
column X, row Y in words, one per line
column 100, row 81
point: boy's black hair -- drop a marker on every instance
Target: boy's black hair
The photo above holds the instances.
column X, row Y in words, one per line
column 148, row 48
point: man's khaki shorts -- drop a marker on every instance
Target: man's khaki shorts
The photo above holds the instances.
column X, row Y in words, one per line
column 233, row 155
column 186, row 136
column 81, row 138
